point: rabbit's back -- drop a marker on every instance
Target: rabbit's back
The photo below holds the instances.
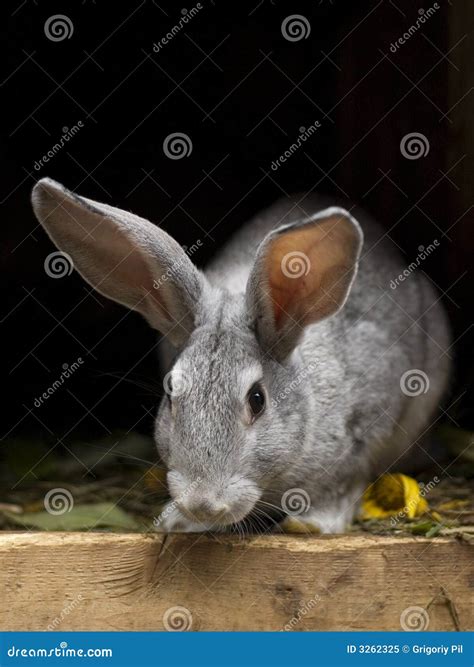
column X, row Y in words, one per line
column 382, row 363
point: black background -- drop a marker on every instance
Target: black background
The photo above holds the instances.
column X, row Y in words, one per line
column 241, row 92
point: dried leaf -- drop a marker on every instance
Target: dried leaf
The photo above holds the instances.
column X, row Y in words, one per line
column 391, row 495
column 80, row 517
column 466, row 532
column 10, row 507
column 453, row 505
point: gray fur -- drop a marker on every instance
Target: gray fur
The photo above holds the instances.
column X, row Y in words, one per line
column 343, row 418
column 123, row 256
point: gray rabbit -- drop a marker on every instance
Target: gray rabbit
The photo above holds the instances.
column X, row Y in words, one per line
column 297, row 373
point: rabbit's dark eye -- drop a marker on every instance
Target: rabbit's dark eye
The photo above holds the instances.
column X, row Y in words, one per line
column 256, row 400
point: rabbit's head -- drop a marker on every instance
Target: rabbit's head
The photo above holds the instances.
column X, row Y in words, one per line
column 221, row 430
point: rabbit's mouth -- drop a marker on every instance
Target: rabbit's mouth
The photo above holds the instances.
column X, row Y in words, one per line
column 219, row 504
column 219, row 516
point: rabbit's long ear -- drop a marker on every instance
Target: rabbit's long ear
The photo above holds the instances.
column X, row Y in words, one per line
column 302, row 274
column 124, row 257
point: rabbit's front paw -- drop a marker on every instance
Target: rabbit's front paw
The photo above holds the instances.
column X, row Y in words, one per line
column 334, row 516
column 293, row 524
column 316, row 521
column 170, row 520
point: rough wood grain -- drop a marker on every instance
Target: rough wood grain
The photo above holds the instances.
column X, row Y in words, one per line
column 98, row 581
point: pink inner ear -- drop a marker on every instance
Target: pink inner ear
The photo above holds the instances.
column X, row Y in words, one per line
column 288, row 294
column 323, row 254
column 125, row 269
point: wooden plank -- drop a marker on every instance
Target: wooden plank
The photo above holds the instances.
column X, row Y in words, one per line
column 101, row 581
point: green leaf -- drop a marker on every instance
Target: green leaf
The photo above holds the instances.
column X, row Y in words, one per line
column 80, row 517
column 434, row 530
column 422, row 528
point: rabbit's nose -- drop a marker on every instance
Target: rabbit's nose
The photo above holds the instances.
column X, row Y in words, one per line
column 204, row 509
